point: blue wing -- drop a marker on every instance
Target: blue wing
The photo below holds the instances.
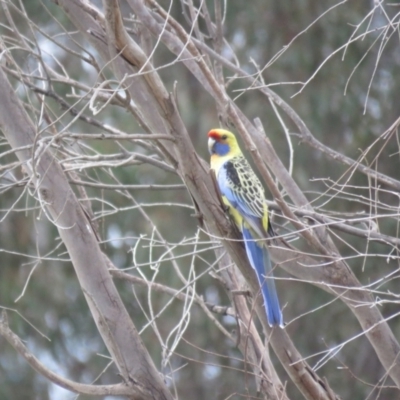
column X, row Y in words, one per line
column 245, row 195
column 248, row 200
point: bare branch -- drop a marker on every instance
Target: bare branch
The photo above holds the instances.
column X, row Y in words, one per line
column 55, row 194
column 80, row 388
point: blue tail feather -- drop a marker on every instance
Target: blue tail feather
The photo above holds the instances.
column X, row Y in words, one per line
column 261, row 262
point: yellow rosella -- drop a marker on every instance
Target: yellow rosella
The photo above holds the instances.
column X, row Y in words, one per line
column 244, row 196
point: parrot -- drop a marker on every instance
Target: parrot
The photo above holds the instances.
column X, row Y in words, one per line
column 244, row 197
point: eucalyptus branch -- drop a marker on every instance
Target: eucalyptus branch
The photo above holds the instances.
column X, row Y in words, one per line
column 80, row 388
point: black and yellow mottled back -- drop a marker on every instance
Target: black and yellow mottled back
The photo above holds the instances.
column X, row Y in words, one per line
column 245, row 185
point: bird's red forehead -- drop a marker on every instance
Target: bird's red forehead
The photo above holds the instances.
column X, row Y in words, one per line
column 214, row 134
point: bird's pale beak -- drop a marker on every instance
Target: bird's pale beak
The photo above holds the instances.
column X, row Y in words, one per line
column 211, row 143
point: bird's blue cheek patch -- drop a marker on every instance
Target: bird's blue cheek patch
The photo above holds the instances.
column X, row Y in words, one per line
column 222, row 149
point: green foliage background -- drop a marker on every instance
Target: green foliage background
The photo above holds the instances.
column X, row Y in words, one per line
column 348, row 104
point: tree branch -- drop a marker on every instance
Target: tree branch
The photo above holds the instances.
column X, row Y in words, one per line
column 120, row 389
column 63, row 209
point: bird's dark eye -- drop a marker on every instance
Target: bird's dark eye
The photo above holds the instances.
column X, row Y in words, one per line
column 224, row 137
